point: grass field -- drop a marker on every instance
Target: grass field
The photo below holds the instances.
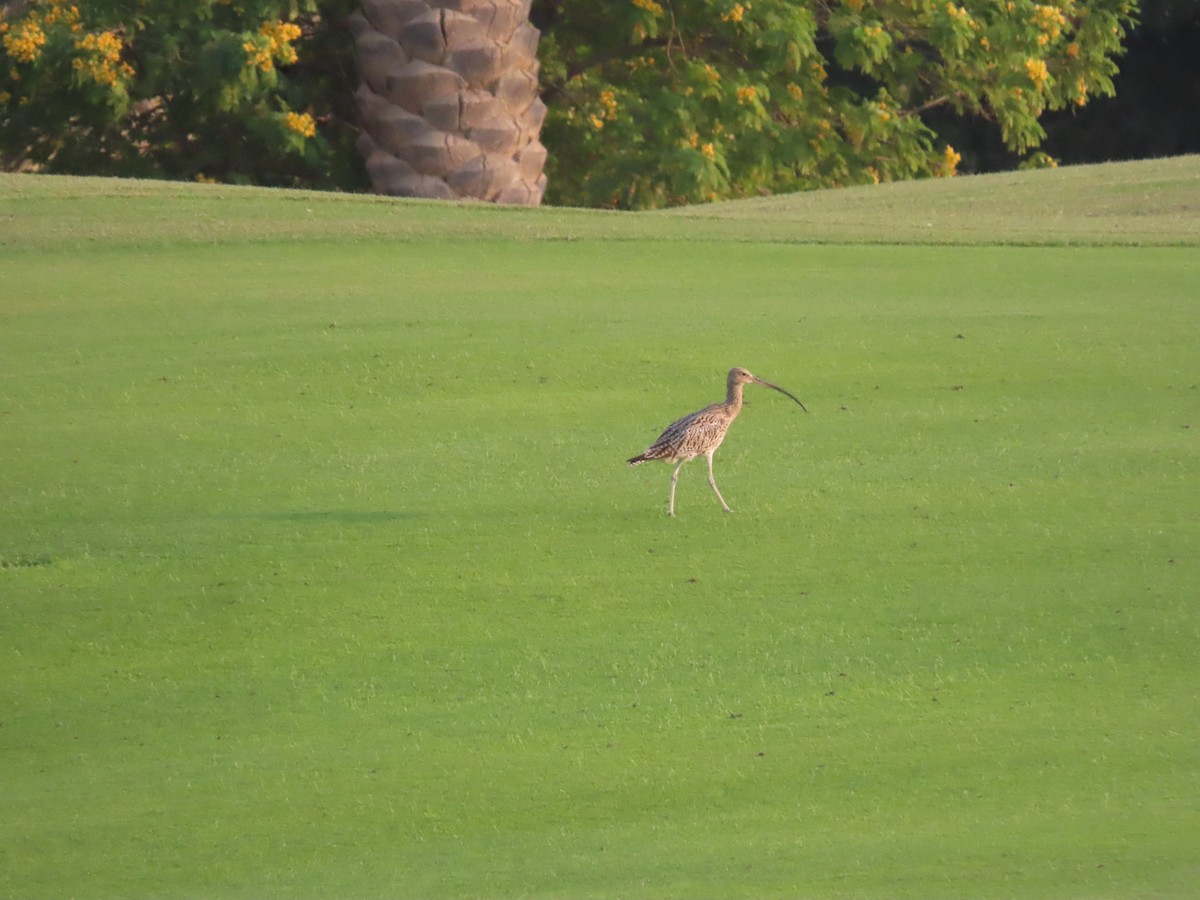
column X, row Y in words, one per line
column 322, row 575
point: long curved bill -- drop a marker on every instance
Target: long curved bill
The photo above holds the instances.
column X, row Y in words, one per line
column 776, row 387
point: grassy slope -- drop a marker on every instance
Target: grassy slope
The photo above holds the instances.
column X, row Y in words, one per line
column 1156, row 202
column 322, row 575
column 1145, row 203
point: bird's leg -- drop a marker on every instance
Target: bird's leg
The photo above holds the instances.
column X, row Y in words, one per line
column 674, row 478
column 713, row 482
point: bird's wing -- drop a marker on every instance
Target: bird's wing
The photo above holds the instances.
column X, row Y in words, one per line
column 691, row 434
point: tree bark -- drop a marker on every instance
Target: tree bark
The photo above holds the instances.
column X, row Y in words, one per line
column 449, row 99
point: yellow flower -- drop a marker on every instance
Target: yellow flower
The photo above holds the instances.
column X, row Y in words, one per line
column 281, row 32
column 713, row 75
column 275, row 44
column 1050, row 20
column 609, row 101
column 950, row 160
column 24, row 43
column 795, row 92
column 1037, row 71
column 280, row 35
column 596, row 121
column 301, row 123
column 100, row 60
column 746, row 94
column 68, row 15
column 708, row 150
column 649, row 6
column 260, row 57
column 734, row 15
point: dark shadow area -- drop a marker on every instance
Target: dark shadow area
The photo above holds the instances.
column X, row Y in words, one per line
column 1155, row 113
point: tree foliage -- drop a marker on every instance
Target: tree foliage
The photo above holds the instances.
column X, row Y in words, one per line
column 660, row 102
column 171, row 88
column 651, row 102
column 1156, row 109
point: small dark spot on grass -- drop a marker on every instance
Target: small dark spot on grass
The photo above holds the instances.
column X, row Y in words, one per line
column 24, row 562
column 735, row 715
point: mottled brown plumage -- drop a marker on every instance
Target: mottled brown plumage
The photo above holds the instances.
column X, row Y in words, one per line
column 701, row 433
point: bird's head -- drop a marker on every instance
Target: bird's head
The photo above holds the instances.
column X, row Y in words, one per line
column 738, row 375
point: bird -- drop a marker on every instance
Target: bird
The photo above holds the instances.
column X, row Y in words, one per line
column 701, row 433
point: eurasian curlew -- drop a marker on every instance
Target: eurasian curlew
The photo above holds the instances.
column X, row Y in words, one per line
column 701, row 433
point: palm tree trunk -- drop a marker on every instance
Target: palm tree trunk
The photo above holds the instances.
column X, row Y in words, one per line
column 449, row 99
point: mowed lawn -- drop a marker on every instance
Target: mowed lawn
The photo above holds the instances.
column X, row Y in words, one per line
column 322, row 574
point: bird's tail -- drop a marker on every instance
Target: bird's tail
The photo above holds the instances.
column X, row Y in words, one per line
column 640, row 458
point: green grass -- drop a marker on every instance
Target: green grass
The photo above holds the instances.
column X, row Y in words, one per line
column 1154, row 203
column 322, row 575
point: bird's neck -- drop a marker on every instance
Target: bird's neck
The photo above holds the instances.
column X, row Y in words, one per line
column 733, row 396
